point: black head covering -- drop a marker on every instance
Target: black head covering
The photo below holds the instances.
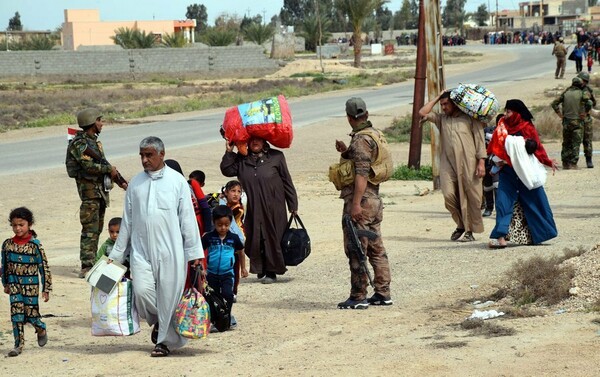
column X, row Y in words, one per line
column 174, row 165
column 518, row 106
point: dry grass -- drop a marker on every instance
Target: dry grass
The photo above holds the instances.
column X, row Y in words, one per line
column 540, row 279
column 492, row 330
column 446, row 345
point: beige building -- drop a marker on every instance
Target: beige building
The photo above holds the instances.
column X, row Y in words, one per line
column 83, row 27
column 549, row 15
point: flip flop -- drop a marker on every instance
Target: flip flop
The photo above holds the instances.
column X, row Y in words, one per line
column 160, row 351
column 494, row 244
column 42, row 339
column 154, row 334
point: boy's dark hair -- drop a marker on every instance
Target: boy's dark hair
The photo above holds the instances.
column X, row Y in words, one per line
column 198, row 175
column 114, row 221
column 221, row 211
column 231, row 184
column 531, row 146
column 21, row 213
column 498, row 117
column 445, row 94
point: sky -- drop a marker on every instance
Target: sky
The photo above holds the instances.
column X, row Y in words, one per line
column 49, row 14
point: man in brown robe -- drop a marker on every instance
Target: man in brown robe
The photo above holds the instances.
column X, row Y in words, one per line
column 265, row 178
column 461, row 165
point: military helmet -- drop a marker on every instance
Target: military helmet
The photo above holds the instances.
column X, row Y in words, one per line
column 87, row 117
column 584, row 76
column 577, row 82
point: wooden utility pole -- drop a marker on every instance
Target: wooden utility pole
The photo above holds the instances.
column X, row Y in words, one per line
column 429, row 66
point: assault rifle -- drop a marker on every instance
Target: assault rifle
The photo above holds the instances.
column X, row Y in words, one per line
column 119, row 179
column 354, row 235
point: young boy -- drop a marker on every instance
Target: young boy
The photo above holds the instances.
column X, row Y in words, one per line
column 222, row 245
column 114, row 225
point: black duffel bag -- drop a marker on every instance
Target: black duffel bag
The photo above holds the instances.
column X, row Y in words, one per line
column 295, row 243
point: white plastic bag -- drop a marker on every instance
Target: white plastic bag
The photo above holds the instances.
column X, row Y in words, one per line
column 114, row 314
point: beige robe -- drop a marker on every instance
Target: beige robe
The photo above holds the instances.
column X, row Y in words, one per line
column 463, row 144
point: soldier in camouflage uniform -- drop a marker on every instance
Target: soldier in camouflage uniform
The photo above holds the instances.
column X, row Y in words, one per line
column 363, row 204
column 89, row 174
column 576, row 105
column 588, row 149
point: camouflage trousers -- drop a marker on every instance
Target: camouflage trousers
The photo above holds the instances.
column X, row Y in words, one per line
column 588, row 133
column 372, row 213
column 572, row 135
column 91, row 216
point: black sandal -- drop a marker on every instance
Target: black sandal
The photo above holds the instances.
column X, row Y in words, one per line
column 154, row 334
column 160, row 351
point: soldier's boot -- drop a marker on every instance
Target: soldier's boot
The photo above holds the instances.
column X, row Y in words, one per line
column 589, row 163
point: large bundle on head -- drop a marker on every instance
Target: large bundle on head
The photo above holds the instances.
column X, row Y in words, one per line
column 476, row 101
column 269, row 119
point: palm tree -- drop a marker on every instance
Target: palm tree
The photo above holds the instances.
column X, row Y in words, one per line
column 218, row 36
column 133, row 38
column 174, row 40
column 357, row 11
column 310, row 31
column 258, row 33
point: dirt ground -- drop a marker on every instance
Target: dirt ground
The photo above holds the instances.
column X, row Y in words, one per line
column 293, row 327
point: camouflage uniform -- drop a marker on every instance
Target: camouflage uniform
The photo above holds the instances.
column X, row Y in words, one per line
column 363, row 152
column 94, row 199
column 588, row 149
column 560, row 52
column 575, row 102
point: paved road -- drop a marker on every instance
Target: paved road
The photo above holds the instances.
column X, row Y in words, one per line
column 532, row 61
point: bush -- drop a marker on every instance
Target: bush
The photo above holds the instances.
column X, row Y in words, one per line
column 404, row 173
column 400, row 130
column 540, row 279
column 548, row 124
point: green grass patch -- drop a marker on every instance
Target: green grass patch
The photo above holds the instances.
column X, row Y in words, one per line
column 404, row 173
column 399, row 130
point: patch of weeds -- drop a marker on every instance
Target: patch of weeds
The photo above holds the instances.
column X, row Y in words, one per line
column 548, row 124
column 520, row 312
column 400, row 129
column 539, row 278
column 596, row 321
column 306, row 74
column 572, row 253
column 492, row 330
column 446, row 345
column 404, row 173
column 595, row 307
column 470, row 324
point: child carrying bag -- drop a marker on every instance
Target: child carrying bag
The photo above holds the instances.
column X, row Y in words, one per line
column 295, row 243
column 192, row 319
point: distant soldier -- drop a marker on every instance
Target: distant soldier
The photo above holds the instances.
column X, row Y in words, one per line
column 560, row 51
column 86, row 163
column 588, row 130
column 576, row 104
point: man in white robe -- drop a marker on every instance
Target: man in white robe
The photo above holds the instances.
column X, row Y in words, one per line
column 160, row 234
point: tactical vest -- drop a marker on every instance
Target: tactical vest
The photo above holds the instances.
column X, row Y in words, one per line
column 342, row 174
column 383, row 166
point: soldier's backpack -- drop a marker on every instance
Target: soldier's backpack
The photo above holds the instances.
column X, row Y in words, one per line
column 70, row 162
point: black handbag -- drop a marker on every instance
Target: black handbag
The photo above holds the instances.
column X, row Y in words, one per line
column 295, row 243
column 572, row 55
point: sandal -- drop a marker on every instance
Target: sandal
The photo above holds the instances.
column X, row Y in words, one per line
column 160, row 351
column 154, row 334
column 495, row 244
column 42, row 339
column 456, row 234
column 14, row 352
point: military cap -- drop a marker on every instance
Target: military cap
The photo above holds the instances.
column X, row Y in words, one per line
column 560, row 39
column 356, row 107
column 87, row 117
column 577, row 82
column 584, row 76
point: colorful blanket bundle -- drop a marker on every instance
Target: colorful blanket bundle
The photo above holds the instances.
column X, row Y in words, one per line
column 476, row 101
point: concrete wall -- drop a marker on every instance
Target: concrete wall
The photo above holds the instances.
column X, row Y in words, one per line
column 155, row 60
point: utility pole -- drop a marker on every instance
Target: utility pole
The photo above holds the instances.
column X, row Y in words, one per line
column 416, row 132
column 496, row 18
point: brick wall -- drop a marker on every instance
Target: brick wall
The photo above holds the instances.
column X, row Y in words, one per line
column 156, row 60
